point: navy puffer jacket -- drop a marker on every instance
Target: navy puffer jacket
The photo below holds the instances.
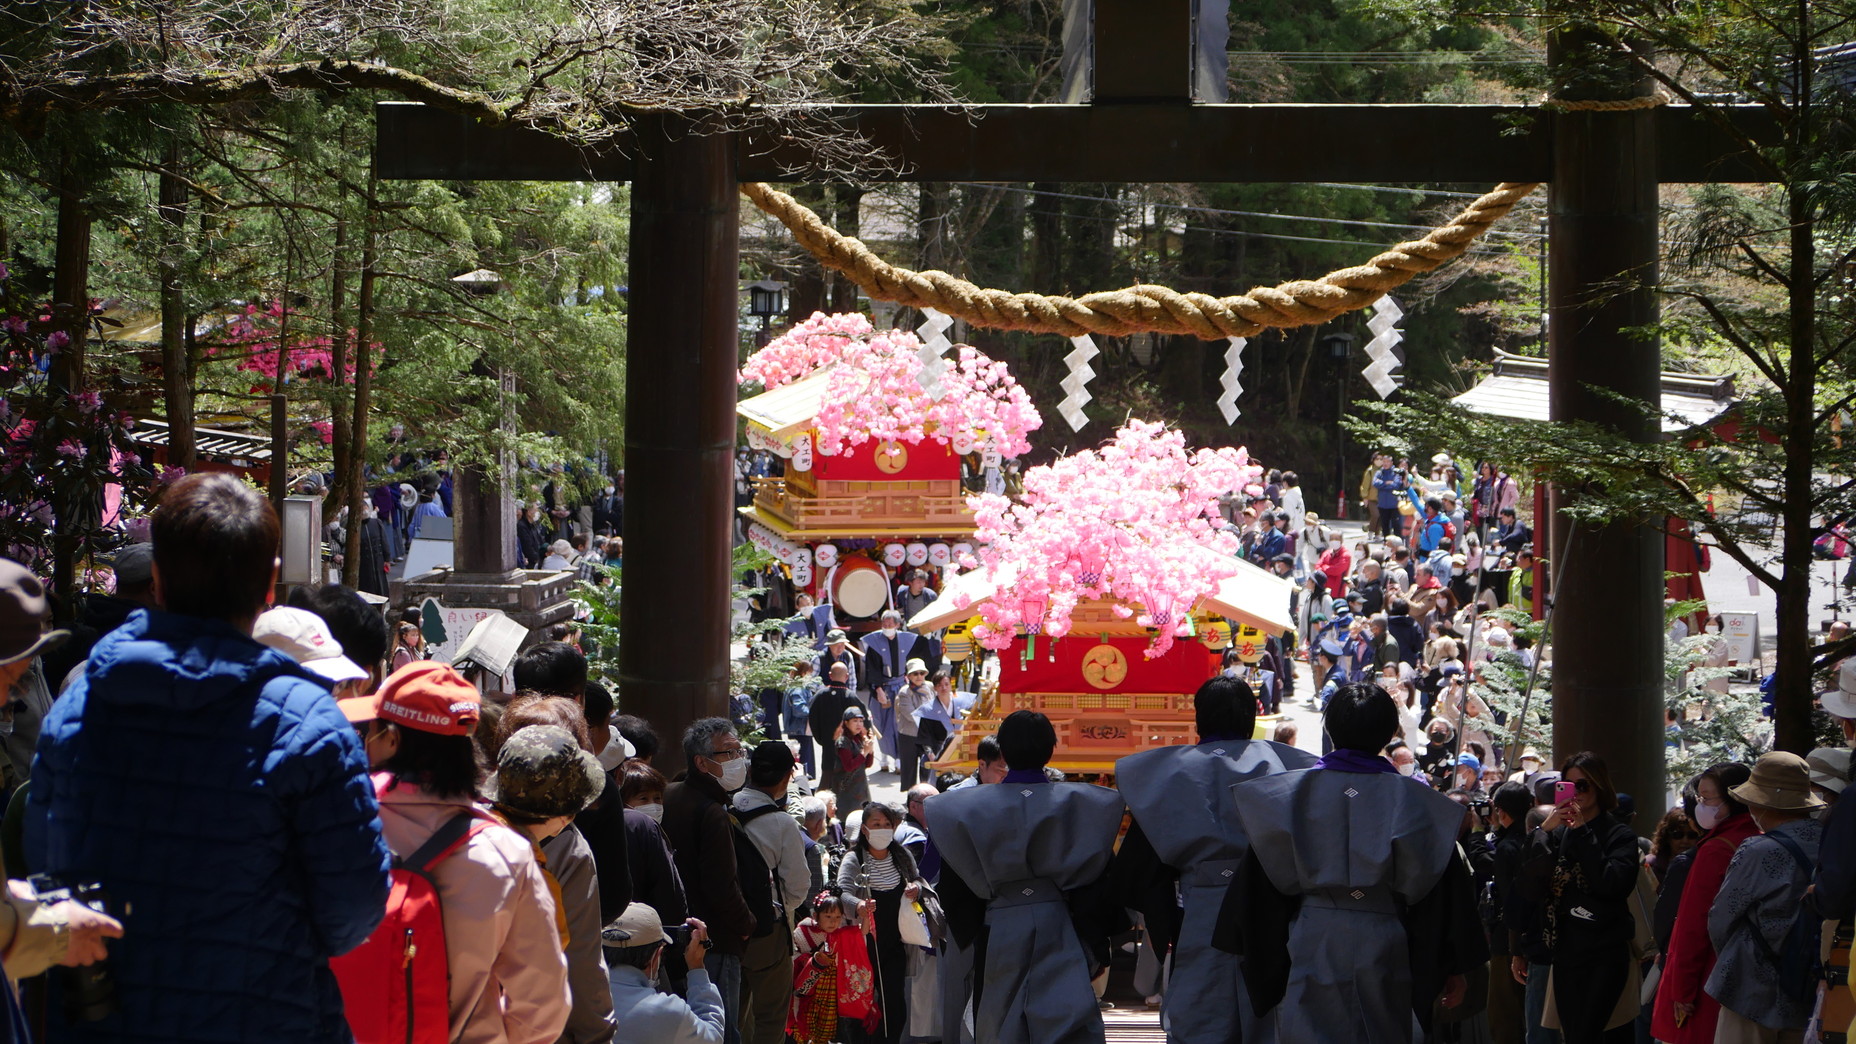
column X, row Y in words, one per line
column 221, row 798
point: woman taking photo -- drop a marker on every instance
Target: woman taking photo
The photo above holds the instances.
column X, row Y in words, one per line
column 855, row 748
column 1684, row 1012
column 878, row 869
column 1583, row 859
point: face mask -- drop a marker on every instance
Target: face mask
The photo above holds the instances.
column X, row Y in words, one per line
column 1409, row 768
column 655, row 811
column 609, row 490
column 889, row 632
column 1708, row 817
column 613, row 756
column 734, row 773
column 880, row 839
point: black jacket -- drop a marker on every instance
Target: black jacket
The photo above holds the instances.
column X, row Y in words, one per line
column 655, row 881
column 1592, row 910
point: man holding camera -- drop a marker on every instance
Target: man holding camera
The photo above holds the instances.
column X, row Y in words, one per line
column 634, row 947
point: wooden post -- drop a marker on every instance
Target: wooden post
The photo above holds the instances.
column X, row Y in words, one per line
column 680, row 430
column 1601, row 263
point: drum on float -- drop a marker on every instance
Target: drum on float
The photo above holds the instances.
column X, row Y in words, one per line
column 859, row 588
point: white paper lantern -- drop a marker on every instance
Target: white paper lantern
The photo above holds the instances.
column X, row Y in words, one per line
column 990, row 458
column 802, row 453
column 963, row 442
column 939, row 554
column 894, row 555
column 960, row 552
column 918, row 553
column 802, row 571
column 826, row 555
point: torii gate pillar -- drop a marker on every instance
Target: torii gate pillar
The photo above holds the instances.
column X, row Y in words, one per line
column 1607, row 635
column 680, row 429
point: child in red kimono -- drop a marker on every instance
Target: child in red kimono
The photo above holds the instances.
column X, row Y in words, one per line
column 834, row 987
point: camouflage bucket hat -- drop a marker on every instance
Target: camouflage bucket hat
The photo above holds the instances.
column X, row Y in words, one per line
column 542, row 772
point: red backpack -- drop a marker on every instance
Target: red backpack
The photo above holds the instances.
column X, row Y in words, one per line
column 396, row 986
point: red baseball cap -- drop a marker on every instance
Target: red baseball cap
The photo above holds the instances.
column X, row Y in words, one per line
column 425, row 695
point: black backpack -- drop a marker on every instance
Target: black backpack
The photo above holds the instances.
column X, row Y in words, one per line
column 753, row 875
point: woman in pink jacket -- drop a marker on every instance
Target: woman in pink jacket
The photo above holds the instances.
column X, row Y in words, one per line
column 502, row 932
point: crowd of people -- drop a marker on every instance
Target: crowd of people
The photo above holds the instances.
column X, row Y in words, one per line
column 288, row 824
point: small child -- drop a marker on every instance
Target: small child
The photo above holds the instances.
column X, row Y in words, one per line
column 834, row 988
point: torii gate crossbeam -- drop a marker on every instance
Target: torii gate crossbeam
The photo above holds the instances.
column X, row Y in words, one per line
column 1604, row 169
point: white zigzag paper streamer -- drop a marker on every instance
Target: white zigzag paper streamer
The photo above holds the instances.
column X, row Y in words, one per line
column 1227, row 381
column 933, row 332
column 1076, row 383
column 1386, row 336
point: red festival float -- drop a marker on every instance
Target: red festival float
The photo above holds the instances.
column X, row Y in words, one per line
column 872, row 427
column 1108, row 593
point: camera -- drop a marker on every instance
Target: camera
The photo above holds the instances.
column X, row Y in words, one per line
column 90, row 991
column 680, row 937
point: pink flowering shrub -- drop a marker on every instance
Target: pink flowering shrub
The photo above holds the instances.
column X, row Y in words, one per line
column 1135, row 521
column 874, row 390
column 63, row 457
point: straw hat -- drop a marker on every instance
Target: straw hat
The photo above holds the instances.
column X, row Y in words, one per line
column 1781, row 781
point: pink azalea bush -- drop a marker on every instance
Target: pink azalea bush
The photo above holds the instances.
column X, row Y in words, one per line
column 1132, row 521
column 874, row 390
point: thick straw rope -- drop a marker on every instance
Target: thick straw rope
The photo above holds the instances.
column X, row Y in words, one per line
column 1157, row 309
column 1143, row 308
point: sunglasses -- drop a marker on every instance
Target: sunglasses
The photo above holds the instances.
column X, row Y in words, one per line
column 1583, row 786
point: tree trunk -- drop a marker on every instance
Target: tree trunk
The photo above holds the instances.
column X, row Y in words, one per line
column 176, row 361
column 1793, row 690
column 75, row 510
column 807, row 294
column 341, row 435
column 849, row 201
column 355, row 478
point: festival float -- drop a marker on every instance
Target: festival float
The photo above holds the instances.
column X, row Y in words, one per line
column 872, row 427
column 1109, row 591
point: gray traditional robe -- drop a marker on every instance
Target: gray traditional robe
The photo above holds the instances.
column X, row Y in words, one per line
column 1019, row 847
column 1181, row 797
column 1358, row 850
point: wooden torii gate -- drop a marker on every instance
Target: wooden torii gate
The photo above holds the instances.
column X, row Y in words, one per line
column 1603, row 167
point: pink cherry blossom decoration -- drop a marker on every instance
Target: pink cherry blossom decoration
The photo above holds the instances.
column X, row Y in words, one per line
column 1129, row 522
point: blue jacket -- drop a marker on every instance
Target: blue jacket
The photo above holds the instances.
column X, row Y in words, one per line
column 219, row 796
column 1388, row 482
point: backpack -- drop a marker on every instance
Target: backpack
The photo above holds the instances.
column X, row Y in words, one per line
column 1797, row 955
column 396, row 986
column 752, row 874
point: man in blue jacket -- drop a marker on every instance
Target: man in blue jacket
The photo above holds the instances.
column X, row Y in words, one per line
column 216, row 792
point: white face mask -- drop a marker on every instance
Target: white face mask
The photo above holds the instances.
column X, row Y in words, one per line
column 889, row 632
column 655, row 810
column 609, row 490
column 734, row 774
column 1408, row 768
column 879, row 839
column 1708, row 817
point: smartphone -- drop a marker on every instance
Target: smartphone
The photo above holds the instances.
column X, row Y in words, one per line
column 1564, row 792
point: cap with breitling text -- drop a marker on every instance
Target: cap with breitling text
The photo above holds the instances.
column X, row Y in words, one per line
column 424, row 695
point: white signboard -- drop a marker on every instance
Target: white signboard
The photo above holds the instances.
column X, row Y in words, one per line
column 1742, row 633
column 445, row 629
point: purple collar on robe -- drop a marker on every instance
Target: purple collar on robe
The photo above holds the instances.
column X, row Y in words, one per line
column 1355, row 761
column 1025, row 776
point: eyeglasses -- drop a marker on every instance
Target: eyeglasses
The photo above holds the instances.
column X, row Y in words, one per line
column 1583, row 786
column 719, row 756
